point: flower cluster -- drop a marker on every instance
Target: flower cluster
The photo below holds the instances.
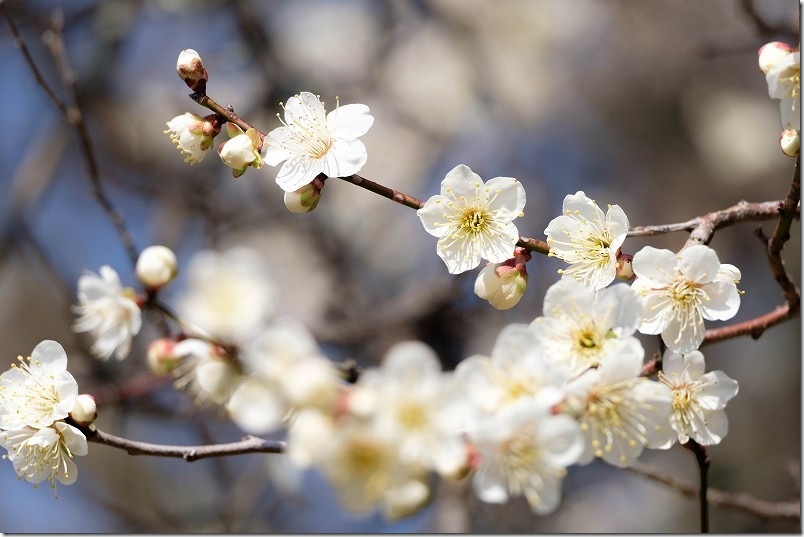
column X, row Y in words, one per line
column 36, row 395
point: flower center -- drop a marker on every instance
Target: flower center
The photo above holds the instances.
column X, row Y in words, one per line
column 412, row 416
column 683, row 292
column 474, row 221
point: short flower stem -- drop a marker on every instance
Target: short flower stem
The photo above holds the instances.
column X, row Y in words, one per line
column 703, row 468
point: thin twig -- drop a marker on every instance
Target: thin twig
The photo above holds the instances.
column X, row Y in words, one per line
column 703, row 472
column 249, row 444
column 786, row 510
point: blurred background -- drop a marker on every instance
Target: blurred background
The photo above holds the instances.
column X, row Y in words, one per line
column 655, row 105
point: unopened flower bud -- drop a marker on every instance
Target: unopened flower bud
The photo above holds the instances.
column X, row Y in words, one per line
column 162, row 356
column 191, row 70
column 503, row 284
column 305, row 199
column 157, row 266
column 790, row 140
column 85, row 410
column 625, row 270
column 242, row 150
column 771, row 53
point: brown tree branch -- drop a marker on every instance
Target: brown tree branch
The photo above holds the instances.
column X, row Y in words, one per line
column 787, row 510
column 249, row 444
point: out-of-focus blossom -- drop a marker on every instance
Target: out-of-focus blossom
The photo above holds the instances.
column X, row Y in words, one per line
column 472, row 219
column 699, row 399
column 782, row 68
column 312, row 141
column 108, row 312
column 581, row 328
column 207, row 372
column 229, row 293
column 157, row 266
column 679, row 291
column 588, row 240
column 524, row 451
column 38, row 391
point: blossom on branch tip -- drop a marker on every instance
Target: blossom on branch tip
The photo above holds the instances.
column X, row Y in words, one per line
column 312, row 141
column 679, row 291
column 473, row 220
column 45, row 453
column 39, row 390
column 699, row 398
column 108, row 312
column 191, row 69
column 156, row 266
column 193, row 135
column 588, row 240
column 782, row 68
column 243, row 149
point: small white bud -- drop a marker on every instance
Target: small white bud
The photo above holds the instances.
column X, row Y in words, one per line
column 771, row 53
column 85, row 410
column 303, row 200
column 503, row 286
column 162, row 356
column 790, row 141
column 157, row 266
column 191, row 70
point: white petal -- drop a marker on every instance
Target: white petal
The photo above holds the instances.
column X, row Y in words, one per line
column 657, row 266
column 684, row 339
column 350, row 121
column 722, row 301
column 433, row 217
column 461, row 181
column 699, row 263
column 561, row 439
column 457, row 260
column 714, row 428
column 506, row 194
column 345, row 158
column 50, row 356
column 298, row 171
column 74, row 439
column 618, row 307
column 255, row 408
column 719, row 388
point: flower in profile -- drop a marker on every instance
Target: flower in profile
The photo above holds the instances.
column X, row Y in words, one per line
column 699, row 398
column 524, row 450
column 108, row 312
column 418, row 407
column 243, row 149
column 193, row 135
column 622, row 412
column 45, row 453
column 312, row 141
column 782, row 67
column 588, row 240
column 679, row 291
column 38, row 391
column 472, row 219
column 504, row 284
column 581, row 328
column 229, row 293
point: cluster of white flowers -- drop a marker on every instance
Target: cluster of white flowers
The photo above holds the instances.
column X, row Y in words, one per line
column 36, row 395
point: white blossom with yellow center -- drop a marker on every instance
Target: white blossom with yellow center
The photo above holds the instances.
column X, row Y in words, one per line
column 679, row 291
column 524, row 451
column 587, row 240
column 108, row 312
column 581, row 328
column 472, row 219
column 45, row 453
column 39, row 390
column 699, row 398
column 312, row 141
column 623, row 413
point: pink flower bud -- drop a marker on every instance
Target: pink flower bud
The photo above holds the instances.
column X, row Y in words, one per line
column 162, row 356
column 770, row 53
column 624, row 269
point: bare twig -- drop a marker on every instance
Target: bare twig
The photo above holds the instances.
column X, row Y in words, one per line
column 249, row 444
column 787, row 510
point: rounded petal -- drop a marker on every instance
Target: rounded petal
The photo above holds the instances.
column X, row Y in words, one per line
column 349, row 122
column 561, row 439
column 304, row 107
column 50, row 356
column 461, row 181
column 722, row 301
column 699, row 263
column 655, row 265
column 618, row 307
column 456, row 259
column 507, row 195
column 344, row 158
column 275, row 146
column 713, row 430
column 684, row 337
column 718, row 389
column 617, row 222
column 581, row 206
column 433, row 217
column 73, row 438
column 298, row 171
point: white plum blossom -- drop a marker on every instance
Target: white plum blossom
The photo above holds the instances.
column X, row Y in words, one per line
column 622, row 412
column 38, row 391
column 524, row 451
column 229, row 293
column 313, row 142
column 699, row 398
column 782, row 68
column 679, row 291
column 192, row 136
column 472, row 219
column 418, row 407
column 108, row 312
column 243, row 149
column 40, row 454
column 284, row 370
column 581, row 328
column 588, row 240
column 206, row 371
